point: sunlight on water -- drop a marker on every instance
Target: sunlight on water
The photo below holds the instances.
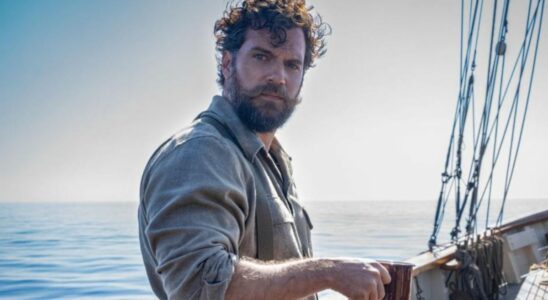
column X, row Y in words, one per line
column 54, row 251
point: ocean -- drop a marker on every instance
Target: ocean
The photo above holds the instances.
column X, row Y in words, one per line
column 91, row 251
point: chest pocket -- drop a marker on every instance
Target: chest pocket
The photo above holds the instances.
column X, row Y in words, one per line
column 290, row 238
column 303, row 226
column 286, row 240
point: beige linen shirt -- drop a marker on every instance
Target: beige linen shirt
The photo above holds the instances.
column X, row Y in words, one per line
column 197, row 212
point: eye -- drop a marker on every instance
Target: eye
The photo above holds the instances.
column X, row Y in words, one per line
column 260, row 56
column 294, row 66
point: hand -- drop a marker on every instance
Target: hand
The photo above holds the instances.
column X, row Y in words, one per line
column 360, row 279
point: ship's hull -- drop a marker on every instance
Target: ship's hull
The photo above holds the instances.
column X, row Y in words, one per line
column 524, row 243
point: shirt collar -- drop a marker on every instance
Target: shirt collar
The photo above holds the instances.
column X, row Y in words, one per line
column 248, row 139
column 277, row 149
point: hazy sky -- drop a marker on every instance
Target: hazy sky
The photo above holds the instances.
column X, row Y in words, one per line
column 88, row 90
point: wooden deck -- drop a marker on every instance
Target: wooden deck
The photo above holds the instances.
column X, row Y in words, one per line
column 531, row 289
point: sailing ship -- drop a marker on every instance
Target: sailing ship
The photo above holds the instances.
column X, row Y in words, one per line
column 487, row 257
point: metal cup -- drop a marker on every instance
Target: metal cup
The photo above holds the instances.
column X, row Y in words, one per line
column 400, row 286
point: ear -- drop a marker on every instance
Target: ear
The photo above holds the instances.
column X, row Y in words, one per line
column 226, row 64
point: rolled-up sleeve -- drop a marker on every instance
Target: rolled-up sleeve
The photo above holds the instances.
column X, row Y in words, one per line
column 196, row 206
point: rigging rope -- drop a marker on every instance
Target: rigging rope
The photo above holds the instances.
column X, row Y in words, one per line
column 470, row 192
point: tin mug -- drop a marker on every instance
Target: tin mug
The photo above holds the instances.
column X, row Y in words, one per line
column 400, row 286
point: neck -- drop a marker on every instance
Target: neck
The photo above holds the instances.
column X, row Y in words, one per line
column 266, row 138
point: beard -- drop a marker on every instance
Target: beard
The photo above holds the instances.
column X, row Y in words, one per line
column 257, row 114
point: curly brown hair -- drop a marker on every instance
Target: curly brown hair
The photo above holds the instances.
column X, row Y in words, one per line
column 275, row 15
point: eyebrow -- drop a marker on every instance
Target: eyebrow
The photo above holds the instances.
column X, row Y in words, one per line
column 266, row 51
column 260, row 49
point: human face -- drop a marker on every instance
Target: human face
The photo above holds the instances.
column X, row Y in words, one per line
column 263, row 82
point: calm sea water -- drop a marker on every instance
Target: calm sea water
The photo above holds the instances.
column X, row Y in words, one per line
column 91, row 251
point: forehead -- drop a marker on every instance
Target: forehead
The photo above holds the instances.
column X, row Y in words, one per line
column 293, row 47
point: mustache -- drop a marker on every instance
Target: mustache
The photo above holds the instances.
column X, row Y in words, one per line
column 270, row 88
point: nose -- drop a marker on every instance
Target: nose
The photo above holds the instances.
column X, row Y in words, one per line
column 277, row 74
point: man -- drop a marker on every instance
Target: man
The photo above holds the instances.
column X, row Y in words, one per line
column 218, row 199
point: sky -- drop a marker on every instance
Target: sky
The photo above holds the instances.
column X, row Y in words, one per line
column 89, row 89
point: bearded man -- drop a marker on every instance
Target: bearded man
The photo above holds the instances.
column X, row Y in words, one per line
column 219, row 215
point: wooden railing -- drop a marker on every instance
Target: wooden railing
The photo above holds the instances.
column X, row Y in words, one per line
column 431, row 260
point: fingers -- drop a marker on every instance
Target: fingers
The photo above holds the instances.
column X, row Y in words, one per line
column 377, row 290
column 385, row 276
column 380, row 290
column 373, row 295
column 359, row 279
column 376, row 287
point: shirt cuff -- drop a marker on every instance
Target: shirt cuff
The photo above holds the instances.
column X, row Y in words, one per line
column 217, row 274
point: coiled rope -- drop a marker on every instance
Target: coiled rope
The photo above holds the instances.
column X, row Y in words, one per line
column 479, row 275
